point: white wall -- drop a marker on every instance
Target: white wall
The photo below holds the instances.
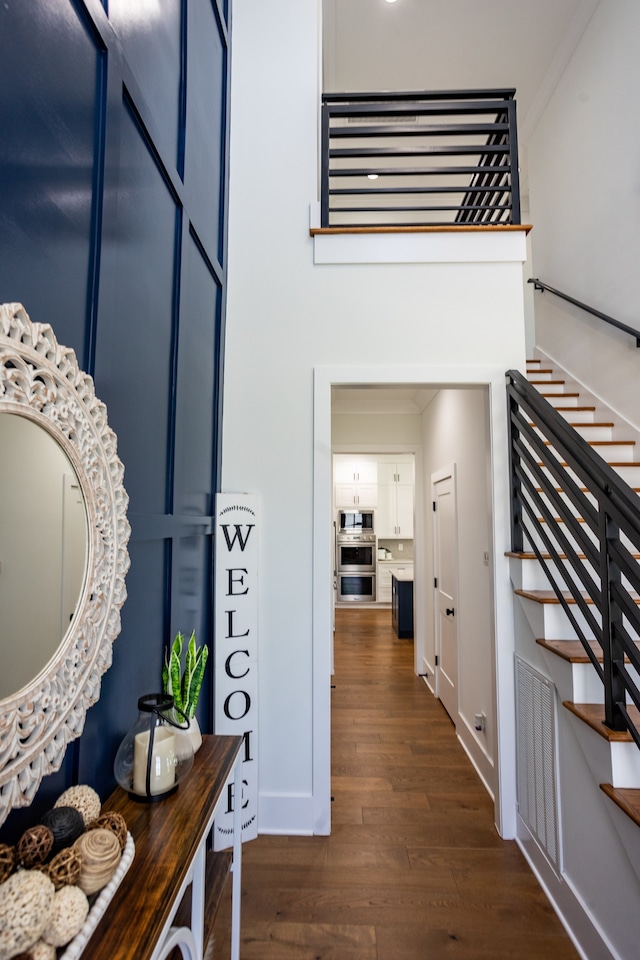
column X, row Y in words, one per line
column 456, row 431
column 288, row 319
column 584, row 158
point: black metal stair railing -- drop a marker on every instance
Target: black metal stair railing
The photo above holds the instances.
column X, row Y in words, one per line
column 582, row 521
column 542, row 286
column 447, row 158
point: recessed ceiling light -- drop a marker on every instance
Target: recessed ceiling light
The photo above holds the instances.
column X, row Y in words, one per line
column 374, row 176
column 391, row 1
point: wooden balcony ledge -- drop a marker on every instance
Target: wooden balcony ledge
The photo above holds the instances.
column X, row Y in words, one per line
column 453, row 228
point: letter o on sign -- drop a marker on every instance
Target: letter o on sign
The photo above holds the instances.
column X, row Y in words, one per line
column 243, row 706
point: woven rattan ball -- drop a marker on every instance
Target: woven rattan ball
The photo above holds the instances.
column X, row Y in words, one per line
column 7, row 861
column 114, row 822
column 65, row 867
column 25, row 905
column 35, row 845
column 100, row 853
column 69, row 909
column 42, row 951
column 82, row 798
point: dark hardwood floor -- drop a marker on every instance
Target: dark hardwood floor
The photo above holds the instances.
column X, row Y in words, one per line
column 414, row 868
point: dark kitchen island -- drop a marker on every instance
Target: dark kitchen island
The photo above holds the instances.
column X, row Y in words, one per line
column 402, row 604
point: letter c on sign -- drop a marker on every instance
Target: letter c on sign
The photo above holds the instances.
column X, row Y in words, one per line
column 227, row 665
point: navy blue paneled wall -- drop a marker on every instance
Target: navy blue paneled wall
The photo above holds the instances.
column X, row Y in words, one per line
column 113, row 173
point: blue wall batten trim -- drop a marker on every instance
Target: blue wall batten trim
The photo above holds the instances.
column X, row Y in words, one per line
column 170, row 582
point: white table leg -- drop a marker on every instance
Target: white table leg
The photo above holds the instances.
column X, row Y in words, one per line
column 198, row 896
column 237, row 863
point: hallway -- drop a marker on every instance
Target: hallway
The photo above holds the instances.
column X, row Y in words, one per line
column 413, row 868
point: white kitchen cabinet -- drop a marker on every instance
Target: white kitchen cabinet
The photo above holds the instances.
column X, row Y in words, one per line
column 356, row 495
column 394, row 516
column 355, row 480
column 350, row 469
column 399, row 471
column 384, row 569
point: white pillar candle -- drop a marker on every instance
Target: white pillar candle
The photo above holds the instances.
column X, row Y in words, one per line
column 163, row 762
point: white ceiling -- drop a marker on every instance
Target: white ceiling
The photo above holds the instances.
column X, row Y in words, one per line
column 371, row 45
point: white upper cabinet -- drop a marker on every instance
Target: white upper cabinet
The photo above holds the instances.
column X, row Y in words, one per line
column 355, row 480
column 350, row 469
column 394, row 516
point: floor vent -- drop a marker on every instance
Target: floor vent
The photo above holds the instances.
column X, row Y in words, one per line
column 536, row 756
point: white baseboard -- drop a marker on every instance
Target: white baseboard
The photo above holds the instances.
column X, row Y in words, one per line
column 572, row 912
column 478, row 755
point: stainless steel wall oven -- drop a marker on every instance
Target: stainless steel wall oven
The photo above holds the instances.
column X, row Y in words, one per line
column 356, row 566
column 356, row 587
column 356, row 553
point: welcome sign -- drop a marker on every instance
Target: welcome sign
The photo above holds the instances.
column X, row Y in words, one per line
column 236, row 652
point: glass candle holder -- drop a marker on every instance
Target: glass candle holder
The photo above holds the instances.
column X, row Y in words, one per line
column 157, row 753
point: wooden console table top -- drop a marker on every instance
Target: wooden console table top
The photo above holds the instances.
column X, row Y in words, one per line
column 167, row 836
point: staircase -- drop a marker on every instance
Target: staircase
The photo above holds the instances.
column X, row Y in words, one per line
column 611, row 757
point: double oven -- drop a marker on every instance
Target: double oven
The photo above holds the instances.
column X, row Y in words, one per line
column 356, row 556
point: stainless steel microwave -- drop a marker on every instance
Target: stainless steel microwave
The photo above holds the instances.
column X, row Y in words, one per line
column 355, row 521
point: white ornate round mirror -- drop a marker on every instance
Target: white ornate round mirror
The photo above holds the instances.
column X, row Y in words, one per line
column 62, row 574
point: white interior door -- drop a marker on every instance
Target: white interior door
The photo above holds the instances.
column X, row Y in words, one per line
column 445, row 540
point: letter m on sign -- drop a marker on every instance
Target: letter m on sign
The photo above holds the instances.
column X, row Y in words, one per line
column 236, row 652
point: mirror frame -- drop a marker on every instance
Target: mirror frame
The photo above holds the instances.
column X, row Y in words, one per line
column 41, row 380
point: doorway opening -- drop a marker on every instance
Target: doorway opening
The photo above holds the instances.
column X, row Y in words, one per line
column 461, row 423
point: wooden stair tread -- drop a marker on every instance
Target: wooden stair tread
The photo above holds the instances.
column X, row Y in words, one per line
column 626, row 798
column 548, row 596
column 539, row 383
column 593, row 715
column 612, row 463
column 530, row 555
column 590, row 424
column 571, row 650
column 560, row 520
column 569, row 409
column 582, row 489
column 563, row 394
column 602, row 443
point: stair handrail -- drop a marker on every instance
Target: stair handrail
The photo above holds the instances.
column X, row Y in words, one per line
column 542, row 286
column 615, row 512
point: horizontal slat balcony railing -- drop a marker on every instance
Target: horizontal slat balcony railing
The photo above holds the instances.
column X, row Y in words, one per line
column 447, row 158
column 596, row 518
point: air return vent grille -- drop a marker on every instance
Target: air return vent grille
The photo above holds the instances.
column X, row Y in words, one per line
column 536, row 749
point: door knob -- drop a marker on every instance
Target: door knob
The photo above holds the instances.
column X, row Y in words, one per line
column 449, row 611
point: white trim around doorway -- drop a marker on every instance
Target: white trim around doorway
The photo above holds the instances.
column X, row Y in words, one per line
column 428, row 376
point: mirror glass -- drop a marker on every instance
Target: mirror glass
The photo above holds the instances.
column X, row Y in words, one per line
column 43, row 549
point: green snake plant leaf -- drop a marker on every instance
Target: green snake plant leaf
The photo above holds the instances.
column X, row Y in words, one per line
column 173, row 669
column 192, row 679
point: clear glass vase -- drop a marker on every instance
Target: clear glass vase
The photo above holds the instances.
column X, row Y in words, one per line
column 157, row 752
